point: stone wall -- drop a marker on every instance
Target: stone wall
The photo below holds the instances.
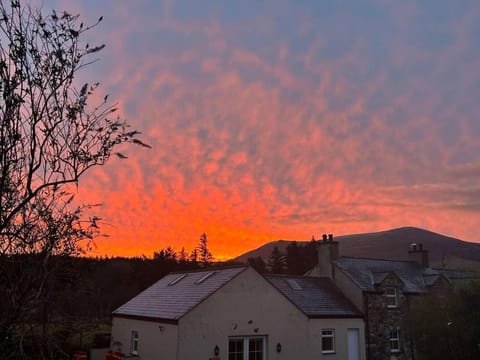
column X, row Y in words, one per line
column 382, row 319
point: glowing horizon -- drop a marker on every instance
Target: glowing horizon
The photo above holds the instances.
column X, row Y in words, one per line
column 280, row 120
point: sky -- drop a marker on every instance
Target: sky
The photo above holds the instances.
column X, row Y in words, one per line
column 274, row 119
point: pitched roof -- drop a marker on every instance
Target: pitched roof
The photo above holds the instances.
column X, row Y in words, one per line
column 177, row 293
column 366, row 273
column 314, row 296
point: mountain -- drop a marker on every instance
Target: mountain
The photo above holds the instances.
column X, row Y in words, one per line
column 394, row 244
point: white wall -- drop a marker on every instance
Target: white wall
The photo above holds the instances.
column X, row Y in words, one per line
column 247, row 303
column 154, row 342
column 349, row 288
column 341, row 326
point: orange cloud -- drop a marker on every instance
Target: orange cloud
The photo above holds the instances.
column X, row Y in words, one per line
column 344, row 123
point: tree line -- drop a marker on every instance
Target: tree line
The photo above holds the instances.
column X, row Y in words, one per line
column 80, row 294
column 296, row 260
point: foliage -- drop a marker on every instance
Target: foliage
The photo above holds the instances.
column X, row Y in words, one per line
column 258, row 264
column 205, row 256
column 194, row 256
column 50, row 136
column 297, row 260
column 301, row 258
column 448, row 329
column 82, row 294
column 276, row 262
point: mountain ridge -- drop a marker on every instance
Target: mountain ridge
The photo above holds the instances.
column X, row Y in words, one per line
column 393, row 244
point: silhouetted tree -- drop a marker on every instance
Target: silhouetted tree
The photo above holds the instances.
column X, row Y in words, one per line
column 276, row 262
column 205, row 256
column 166, row 259
column 49, row 137
column 167, row 254
column 301, row 258
column 182, row 256
column 194, row 256
column 258, row 264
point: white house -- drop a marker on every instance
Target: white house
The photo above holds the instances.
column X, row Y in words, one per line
column 238, row 314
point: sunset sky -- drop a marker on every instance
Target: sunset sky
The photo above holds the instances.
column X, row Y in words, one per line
column 273, row 119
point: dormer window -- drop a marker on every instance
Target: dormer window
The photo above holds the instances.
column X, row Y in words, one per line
column 391, row 297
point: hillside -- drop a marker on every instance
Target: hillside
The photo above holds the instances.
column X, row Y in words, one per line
column 394, row 244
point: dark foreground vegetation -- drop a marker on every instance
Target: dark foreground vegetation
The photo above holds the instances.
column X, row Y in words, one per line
column 74, row 311
column 448, row 328
column 76, row 299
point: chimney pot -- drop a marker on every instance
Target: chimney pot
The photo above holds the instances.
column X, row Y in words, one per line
column 330, row 237
column 324, row 237
column 418, row 254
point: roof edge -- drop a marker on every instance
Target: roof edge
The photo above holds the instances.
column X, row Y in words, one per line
column 358, row 316
column 146, row 318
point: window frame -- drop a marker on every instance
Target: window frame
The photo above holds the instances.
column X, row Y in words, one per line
column 391, row 300
column 394, row 337
column 328, row 334
column 246, row 345
column 134, row 340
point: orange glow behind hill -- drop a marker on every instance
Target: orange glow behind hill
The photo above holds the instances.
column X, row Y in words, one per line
column 286, row 123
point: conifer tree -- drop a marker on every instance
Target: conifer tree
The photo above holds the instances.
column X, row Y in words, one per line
column 276, row 262
column 205, row 256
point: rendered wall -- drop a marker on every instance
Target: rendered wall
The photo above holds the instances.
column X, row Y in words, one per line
column 156, row 340
column 250, row 306
column 349, row 289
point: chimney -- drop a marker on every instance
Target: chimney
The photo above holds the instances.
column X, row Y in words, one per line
column 327, row 251
column 418, row 254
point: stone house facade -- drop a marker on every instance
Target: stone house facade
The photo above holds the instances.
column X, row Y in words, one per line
column 384, row 291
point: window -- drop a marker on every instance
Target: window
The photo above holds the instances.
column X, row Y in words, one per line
column 293, row 284
column 328, row 341
column 391, row 297
column 134, row 343
column 235, row 349
column 205, row 277
column 247, row 348
column 177, row 279
column 395, row 341
column 255, row 349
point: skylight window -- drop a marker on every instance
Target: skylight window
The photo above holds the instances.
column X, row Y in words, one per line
column 205, row 277
column 293, row 284
column 176, row 280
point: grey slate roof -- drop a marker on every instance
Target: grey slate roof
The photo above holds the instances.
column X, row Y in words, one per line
column 171, row 302
column 369, row 272
column 318, row 297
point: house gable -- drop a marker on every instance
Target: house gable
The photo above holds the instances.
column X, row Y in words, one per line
column 249, row 306
column 176, row 294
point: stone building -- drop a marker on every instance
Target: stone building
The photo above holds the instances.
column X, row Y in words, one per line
column 384, row 291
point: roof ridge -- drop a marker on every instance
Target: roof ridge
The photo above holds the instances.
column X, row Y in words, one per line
column 376, row 259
